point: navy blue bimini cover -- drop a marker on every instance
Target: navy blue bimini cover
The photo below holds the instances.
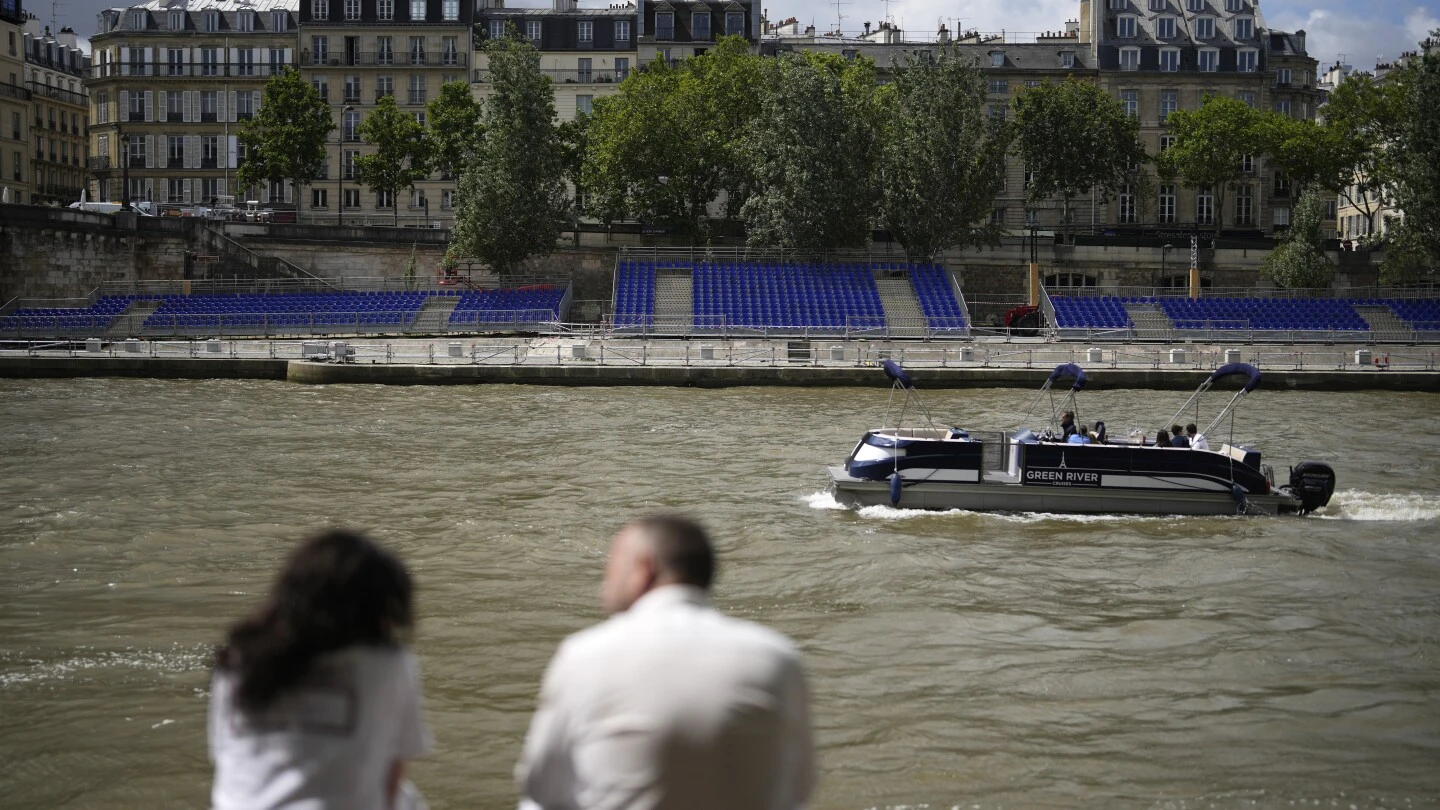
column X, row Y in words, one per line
column 1069, row 370
column 896, row 373
column 1239, row 368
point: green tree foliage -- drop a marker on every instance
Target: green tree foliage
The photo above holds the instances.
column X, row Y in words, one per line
column 1074, row 137
column 286, row 138
column 1417, row 153
column 1364, row 118
column 512, row 202
column 666, row 147
column 1300, row 260
column 1309, row 154
column 400, row 155
column 813, row 147
column 942, row 160
column 1209, row 145
column 454, row 129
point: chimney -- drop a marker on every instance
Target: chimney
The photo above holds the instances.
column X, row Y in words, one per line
column 867, row 28
column 944, row 36
column 1072, row 28
column 67, row 37
column 1300, row 40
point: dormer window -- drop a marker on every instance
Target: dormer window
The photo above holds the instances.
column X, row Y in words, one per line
column 1170, row 59
column 700, row 25
column 1157, row 5
column 735, row 23
column 1125, row 27
column 279, row 21
column 175, row 20
column 319, row 9
column 1067, row 59
column 1119, row 5
column 1234, row 5
column 1204, row 27
column 417, row 10
column 137, row 20
column 1244, row 27
column 212, row 21
column 245, row 20
column 997, row 59
column 1164, row 27
column 1196, row 5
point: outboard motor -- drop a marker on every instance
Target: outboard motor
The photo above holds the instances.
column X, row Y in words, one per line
column 1313, row 482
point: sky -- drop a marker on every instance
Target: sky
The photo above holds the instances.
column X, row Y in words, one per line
column 1359, row 30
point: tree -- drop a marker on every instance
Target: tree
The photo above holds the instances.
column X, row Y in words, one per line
column 400, row 155
column 1309, row 154
column 942, row 158
column 1364, row 117
column 1299, row 260
column 512, row 202
column 1417, row 151
column 285, row 140
column 666, row 147
column 1074, row 137
column 454, row 128
column 812, row 148
column 1210, row 145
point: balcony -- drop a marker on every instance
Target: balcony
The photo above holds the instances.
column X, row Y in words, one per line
column 57, row 93
column 137, row 161
column 14, row 91
column 98, row 163
column 395, row 59
column 164, row 71
column 592, row 76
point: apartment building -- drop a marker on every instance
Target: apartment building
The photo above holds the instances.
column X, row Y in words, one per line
column 14, row 106
column 355, row 52
column 675, row 29
column 171, row 82
column 55, row 73
column 1160, row 56
column 586, row 52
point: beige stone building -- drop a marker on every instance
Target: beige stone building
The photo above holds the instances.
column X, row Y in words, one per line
column 171, row 82
column 55, row 73
column 355, row 53
column 15, row 146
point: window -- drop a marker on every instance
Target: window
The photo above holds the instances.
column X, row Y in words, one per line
column 622, row 68
column 998, row 86
column 1125, row 27
column 1032, row 217
column 352, row 89
column 350, row 124
column 1166, row 141
column 1118, row 4
column 450, row 10
column 1129, row 58
column 245, row 62
column 447, row 199
column 137, row 20
column 585, row 30
column 1204, row 27
column 1209, row 60
column 1282, row 77
column 352, row 198
column 1244, row 27
column 1245, row 62
column 321, row 83
column 584, row 104
column 244, row 106
column 1169, row 102
column 1330, row 208
column 1280, row 217
column 419, row 116
column 1244, row 206
column 174, row 62
column 497, row 29
column 417, row 10
column 347, row 164
column 245, row 20
column 700, row 25
column 997, row 216
column 102, row 112
column 319, row 50
column 533, row 29
column 385, row 9
column 279, row 21
column 139, row 148
column 137, row 106
column 1282, row 185
column 417, row 50
column 735, row 23
column 997, row 59
column 1195, row 5
column 1131, row 101
column 1069, row 280
column 318, row 198
column 209, row 105
column 384, row 51
column 319, row 9
column 175, row 20
column 1165, row 28
column 212, row 21
column 1157, row 5
column 622, row 30
column 209, row 61
column 175, row 190
column 352, row 9
column 1029, row 176
column 449, row 52
column 1169, row 59
column 1247, row 97
column 417, row 88
column 1205, row 207
column 384, row 86
column 1067, row 59
column 175, row 106
column 175, row 150
column 1283, row 106
column 665, row 25
column 1127, row 204
column 1033, row 82
column 210, row 152
column 1234, row 5
column 583, row 71
column 384, row 199
column 1247, row 163
column 1167, row 203
column 997, row 112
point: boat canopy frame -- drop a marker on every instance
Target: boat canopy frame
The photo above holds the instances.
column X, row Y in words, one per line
column 900, row 381
column 1070, row 402
column 1252, row 375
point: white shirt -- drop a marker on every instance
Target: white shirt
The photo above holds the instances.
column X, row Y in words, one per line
column 671, row 705
column 329, row 742
column 1197, row 442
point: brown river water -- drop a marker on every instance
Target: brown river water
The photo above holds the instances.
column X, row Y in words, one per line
column 958, row 660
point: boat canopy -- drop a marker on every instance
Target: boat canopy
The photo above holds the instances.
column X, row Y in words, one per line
column 897, row 374
column 1229, row 369
column 1068, row 370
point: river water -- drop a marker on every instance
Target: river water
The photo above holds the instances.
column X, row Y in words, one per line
column 957, row 659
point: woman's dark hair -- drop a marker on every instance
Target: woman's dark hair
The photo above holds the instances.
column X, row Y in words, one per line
column 338, row 589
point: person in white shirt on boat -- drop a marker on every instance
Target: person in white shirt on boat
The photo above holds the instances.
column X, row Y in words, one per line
column 669, row 704
column 1197, row 439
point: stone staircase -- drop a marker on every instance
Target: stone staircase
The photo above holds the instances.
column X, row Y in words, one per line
column 902, row 307
column 674, row 298
column 1151, row 322
column 1386, row 325
column 434, row 315
column 132, row 319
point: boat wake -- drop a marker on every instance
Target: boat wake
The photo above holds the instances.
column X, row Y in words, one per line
column 825, row 500
column 1350, row 504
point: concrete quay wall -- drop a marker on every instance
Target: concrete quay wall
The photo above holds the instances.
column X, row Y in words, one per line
column 698, row 376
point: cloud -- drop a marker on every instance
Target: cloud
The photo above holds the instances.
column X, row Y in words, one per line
column 922, row 18
column 1362, row 34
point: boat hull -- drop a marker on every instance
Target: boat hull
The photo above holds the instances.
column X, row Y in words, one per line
column 1005, row 496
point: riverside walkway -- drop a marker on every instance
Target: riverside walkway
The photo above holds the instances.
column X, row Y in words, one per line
column 721, row 363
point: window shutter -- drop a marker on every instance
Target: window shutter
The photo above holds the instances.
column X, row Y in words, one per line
column 187, row 188
column 124, row 106
column 150, row 189
column 189, row 105
column 150, row 151
column 234, row 109
column 162, row 108
column 289, row 55
column 231, row 154
column 220, row 186
column 192, row 150
column 149, row 105
column 255, row 96
column 221, row 112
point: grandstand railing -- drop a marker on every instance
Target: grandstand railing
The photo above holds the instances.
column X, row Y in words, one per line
column 222, row 286
column 261, row 324
column 740, row 253
column 1051, row 324
column 855, row 327
column 1342, row 293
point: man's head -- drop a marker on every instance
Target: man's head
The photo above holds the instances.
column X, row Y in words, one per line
column 654, row 551
column 1067, row 417
column 1176, row 431
column 1191, row 429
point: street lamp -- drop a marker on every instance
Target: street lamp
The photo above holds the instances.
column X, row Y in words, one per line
column 340, row 170
column 125, row 171
column 1164, row 252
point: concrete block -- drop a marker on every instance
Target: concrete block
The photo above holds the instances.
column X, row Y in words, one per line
column 1177, row 355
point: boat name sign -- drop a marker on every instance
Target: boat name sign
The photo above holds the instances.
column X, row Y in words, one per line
column 1063, row 478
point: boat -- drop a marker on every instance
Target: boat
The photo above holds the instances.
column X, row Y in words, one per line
column 1021, row 469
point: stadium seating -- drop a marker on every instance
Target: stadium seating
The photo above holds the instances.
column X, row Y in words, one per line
column 1293, row 314
column 1420, row 314
column 297, row 311
column 634, row 294
column 1090, row 312
column 767, row 295
column 94, row 319
column 937, row 296
column 528, row 304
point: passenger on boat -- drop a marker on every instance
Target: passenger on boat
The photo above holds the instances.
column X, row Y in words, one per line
column 1197, row 439
column 1067, row 425
column 1162, row 438
column 1081, row 436
column 1099, row 434
column 1177, row 437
